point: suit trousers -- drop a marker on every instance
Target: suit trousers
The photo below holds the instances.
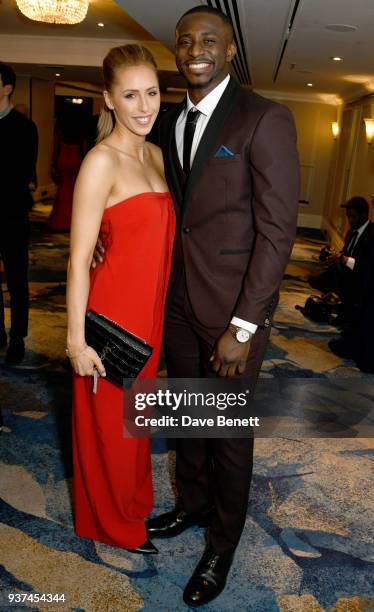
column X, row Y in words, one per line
column 211, row 474
column 14, row 242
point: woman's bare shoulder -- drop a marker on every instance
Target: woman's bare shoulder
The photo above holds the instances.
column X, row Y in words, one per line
column 101, row 156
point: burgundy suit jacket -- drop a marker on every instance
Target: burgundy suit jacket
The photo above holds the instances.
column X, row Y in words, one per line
column 236, row 215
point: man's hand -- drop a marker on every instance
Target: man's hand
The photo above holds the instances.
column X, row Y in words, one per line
column 344, row 260
column 229, row 356
column 333, row 258
column 98, row 254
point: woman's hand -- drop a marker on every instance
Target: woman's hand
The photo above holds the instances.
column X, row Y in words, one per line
column 85, row 361
column 98, row 253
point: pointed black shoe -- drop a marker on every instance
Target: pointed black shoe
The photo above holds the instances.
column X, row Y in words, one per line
column 208, row 579
column 175, row 522
column 144, row 549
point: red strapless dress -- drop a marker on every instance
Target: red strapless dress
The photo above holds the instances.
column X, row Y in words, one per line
column 112, row 475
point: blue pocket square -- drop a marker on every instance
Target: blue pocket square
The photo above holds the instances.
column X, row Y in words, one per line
column 223, row 152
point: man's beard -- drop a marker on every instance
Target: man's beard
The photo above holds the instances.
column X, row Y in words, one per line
column 201, row 85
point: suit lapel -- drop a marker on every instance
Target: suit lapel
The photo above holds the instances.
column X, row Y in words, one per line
column 362, row 239
column 210, row 136
column 173, row 171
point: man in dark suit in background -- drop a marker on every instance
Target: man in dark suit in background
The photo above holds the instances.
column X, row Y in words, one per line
column 363, row 328
column 232, row 167
column 347, row 272
column 18, row 154
column 360, row 234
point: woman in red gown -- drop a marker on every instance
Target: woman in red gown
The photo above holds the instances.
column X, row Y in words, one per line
column 68, row 155
column 120, row 193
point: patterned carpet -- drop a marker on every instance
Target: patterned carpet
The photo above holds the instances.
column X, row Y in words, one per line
column 308, row 540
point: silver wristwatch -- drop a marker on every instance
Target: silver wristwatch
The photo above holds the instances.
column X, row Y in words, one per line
column 240, row 334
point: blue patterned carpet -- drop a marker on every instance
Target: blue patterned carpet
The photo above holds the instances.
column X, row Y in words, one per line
column 308, row 540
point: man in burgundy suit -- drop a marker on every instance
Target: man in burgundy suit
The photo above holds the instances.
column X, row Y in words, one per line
column 232, row 167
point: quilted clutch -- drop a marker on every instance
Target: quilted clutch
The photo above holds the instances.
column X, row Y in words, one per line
column 122, row 353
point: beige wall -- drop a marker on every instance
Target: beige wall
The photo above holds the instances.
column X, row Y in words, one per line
column 352, row 167
column 21, row 93
column 316, row 146
column 72, row 51
column 43, row 115
column 363, row 172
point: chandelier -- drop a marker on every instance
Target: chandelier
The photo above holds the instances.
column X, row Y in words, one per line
column 54, row 11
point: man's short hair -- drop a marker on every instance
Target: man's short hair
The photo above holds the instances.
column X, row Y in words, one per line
column 212, row 11
column 8, row 76
column 357, row 203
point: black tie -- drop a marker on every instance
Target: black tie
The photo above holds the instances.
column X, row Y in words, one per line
column 189, row 131
column 352, row 243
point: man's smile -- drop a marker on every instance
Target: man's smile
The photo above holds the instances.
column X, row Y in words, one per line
column 198, row 67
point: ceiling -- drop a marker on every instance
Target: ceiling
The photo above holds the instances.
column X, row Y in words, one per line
column 283, row 44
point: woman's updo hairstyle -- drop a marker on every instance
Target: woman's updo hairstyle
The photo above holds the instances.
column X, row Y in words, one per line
column 119, row 57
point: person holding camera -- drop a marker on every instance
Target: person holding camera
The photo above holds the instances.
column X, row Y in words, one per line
column 346, row 271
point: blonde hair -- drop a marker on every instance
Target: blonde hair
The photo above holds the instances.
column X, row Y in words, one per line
column 119, row 57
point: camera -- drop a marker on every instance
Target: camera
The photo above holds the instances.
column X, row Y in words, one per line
column 324, row 254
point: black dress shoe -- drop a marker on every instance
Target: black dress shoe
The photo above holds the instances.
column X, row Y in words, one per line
column 175, row 522
column 144, row 549
column 208, row 579
column 15, row 352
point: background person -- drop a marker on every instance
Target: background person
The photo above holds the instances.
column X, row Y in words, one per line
column 69, row 150
column 347, row 271
column 18, row 155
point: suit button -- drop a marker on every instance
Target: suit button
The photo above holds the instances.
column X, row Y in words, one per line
column 267, row 322
column 186, row 230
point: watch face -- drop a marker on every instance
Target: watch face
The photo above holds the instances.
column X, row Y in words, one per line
column 242, row 335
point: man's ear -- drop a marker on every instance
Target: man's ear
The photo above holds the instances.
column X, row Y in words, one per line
column 108, row 101
column 8, row 90
column 231, row 51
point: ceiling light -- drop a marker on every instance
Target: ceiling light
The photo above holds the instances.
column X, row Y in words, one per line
column 57, row 74
column 101, row 25
column 309, row 84
column 341, row 27
column 336, row 58
column 67, row 12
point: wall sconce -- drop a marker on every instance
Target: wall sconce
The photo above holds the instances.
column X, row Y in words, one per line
column 369, row 127
column 335, row 128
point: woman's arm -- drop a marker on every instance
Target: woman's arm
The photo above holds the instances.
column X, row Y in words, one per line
column 91, row 193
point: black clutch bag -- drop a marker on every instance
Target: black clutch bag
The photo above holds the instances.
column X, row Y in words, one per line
column 122, row 353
